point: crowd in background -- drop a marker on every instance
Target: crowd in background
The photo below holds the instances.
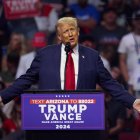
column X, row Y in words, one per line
column 112, row 27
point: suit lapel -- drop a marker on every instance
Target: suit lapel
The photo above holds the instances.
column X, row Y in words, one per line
column 82, row 60
column 81, row 65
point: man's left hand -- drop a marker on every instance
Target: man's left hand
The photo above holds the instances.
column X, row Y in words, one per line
column 136, row 105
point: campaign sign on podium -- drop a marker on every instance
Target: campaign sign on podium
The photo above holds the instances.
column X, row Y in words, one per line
column 63, row 111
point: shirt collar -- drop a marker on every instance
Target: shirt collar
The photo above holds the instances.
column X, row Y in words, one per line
column 75, row 49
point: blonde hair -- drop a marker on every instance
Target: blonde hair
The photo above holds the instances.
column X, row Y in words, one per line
column 67, row 20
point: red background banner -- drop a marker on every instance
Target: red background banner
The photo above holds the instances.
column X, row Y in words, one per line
column 15, row 9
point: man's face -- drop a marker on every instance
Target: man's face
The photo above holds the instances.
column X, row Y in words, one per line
column 68, row 33
column 83, row 3
column 110, row 17
column 136, row 24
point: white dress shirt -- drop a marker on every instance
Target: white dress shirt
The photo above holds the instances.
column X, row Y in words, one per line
column 75, row 56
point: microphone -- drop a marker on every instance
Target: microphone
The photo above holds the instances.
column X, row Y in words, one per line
column 67, row 50
column 67, row 47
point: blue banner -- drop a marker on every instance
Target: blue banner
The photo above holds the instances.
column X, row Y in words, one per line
column 63, row 111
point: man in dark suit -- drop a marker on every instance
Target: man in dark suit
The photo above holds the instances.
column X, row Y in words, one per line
column 48, row 68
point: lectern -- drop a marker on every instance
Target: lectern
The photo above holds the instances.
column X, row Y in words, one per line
column 62, row 114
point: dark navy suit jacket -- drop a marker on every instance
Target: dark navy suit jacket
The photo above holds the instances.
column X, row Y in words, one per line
column 45, row 69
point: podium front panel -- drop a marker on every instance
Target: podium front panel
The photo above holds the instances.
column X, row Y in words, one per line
column 63, row 111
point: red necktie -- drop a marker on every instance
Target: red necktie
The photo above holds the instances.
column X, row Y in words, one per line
column 69, row 73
